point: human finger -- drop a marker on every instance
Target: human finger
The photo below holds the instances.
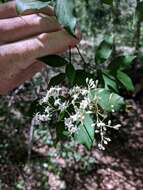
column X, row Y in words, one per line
column 18, row 28
column 7, row 85
column 19, row 54
column 8, row 10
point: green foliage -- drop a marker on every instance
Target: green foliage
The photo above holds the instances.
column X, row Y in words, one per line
column 104, row 50
column 26, row 5
column 85, row 135
column 108, row 2
column 65, row 10
column 121, row 62
column 116, row 68
column 125, row 80
column 109, row 81
column 56, row 80
column 70, row 73
column 107, row 100
column 54, row 60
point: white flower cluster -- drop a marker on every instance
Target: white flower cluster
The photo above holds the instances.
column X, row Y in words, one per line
column 71, row 123
column 82, row 103
column 101, row 128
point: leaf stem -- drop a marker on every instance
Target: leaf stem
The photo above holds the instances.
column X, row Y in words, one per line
column 70, row 56
column 85, row 64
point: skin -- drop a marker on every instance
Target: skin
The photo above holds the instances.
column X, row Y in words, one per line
column 25, row 38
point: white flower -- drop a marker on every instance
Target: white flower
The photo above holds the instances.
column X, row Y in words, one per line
column 57, row 102
column 44, row 117
column 93, row 125
column 87, row 80
column 68, row 122
column 97, row 131
column 53, row 91
column 75, row 117
column 84, row 92
column 75, row 90
column 109, row 122
column 91, row 84
column 100, row 124
column 84, row 104
column 73, row 129
column 47, row 110
column 63, row 106
column 107, row 139
column 75, row 96
column 116, row 126
column 101, row 147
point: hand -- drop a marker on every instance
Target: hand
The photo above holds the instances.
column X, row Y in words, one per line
column 25, row 38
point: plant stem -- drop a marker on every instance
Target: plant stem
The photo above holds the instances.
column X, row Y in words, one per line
column 70, row 56
column 85, row 64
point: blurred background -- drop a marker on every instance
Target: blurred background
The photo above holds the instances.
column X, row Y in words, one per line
column 68, row 165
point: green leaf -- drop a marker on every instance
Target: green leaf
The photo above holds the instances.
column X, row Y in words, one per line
column 121, row 62
column 80, row 77
column 54, row 60
column 108, row 2
column 65, row 10
column 109, row 81
column 104, row 50
column 34, row 108
column 85, row 134
column 56, row 80
column 26, row 5
column 107, row 100
column 62, row 133
column 125, row 80
column 70, row 73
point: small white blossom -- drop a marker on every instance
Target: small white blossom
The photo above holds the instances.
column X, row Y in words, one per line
column 93, row 125
column 43, row 117
column 57, row 102
column 101, row 147
column 91, row 84
column 47, row 110
column 101, row 124
column 109, row 122
column 84, row 104
column 105, row 142
column 84, row 92
column 63, row 106
column 107, row 139
column 73, row 129
column 53, row 91
column 75, row 96
column 68, row 122
column 117, row 126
